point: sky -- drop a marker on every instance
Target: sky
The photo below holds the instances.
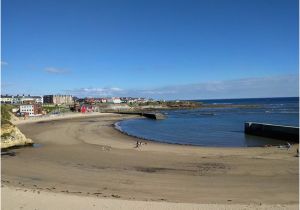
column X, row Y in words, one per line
column 165, row 49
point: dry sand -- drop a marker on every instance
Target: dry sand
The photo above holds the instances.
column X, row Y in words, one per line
column 33, row 199
column 89, row 159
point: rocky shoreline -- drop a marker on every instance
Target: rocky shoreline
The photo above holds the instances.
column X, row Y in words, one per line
column 125, row 109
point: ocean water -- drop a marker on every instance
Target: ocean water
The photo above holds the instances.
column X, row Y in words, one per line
column 219, row 127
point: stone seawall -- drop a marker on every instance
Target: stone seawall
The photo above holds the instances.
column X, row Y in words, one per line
column 154, row 116
column 288, row 133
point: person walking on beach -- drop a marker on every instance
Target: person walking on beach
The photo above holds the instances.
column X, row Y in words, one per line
column 138, row 144
column 288, row 146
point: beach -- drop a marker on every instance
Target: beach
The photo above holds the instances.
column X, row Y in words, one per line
column 86, row 158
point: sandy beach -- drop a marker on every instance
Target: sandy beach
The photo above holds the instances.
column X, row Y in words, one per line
column 88, row 159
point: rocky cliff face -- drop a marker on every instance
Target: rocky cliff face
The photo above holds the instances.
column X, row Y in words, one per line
column 12, row 136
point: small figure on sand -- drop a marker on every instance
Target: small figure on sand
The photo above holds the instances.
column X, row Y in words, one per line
column 138, row 144
column 288, row 145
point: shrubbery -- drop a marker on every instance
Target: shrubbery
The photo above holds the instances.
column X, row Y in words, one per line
column 5, row 114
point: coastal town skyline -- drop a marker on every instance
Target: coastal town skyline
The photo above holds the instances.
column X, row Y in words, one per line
column 164, row 50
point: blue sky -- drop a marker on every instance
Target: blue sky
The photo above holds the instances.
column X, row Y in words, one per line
column 189, row 49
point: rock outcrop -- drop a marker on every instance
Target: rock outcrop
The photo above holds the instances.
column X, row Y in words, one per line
column 11, row 136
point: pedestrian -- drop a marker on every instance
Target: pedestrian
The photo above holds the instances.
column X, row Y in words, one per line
column 288, row 146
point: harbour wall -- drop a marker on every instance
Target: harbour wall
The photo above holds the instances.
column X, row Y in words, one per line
column 154, row 116
column 288, row 133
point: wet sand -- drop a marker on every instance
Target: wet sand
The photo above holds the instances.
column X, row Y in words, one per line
column 87, row 157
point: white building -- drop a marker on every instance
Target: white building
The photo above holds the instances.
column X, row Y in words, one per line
column 27, row 109
column 21, row 99
column 114, row 100
column 6, row 99
column 38, row 99
column 27, row 99
column 15, row 110
column 31, row 109
column 103, row 100
column 16, row 100
column 117, row 101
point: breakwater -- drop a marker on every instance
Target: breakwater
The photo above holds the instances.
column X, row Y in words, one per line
column 288, row 133
column 154, row 116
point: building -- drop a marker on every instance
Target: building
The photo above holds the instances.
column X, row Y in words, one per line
column 38, row 99
column 114, row 100
column 83, row 109
column 124, row 99
column 21, row 99
column 27, row 100
column 15, row 110
column 6, row 99
column 16, row 99
column 48, row 99
column 103, row 100
column 90, row 100
column 58, row 99
column 31, row 109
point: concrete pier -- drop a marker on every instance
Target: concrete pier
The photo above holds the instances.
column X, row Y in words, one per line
column 288, row 133
column 154, row 116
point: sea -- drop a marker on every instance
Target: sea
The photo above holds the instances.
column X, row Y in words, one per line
column 216, row 127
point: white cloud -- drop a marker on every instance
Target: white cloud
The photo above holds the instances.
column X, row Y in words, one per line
column 273, row 86
column 116, row 89
column 54, row 70
column 95, row 92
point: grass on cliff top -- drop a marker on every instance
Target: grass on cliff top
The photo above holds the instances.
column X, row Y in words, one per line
column 5, row 114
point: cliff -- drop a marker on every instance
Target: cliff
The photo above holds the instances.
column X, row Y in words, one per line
column 11, row 136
